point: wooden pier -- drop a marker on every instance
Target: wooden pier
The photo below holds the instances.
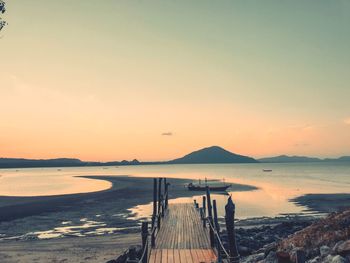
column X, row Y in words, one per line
column 182, row 237
column 185, row 232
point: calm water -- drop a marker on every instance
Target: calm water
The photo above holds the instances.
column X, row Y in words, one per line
column 275, row 188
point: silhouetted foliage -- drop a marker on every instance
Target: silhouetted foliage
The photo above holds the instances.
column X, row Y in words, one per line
column 2, row 10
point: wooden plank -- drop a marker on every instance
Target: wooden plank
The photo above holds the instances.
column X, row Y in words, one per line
column 176, row 256
column 171, row 256
column 158, row 256
column 183, row 256
column 164, row 255
column 188, row 256
column 152, row 257
column 182, row 237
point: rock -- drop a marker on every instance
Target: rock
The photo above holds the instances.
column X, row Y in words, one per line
column 283, row 257
column 244, row 251
column 324, row 251
column 339, row 259
column 335, row 247
column 269, row 248
column 271, row 258
column 343, row 248
column 327, row 259
column 314, row 260
column 298, row 255
column 254, row 258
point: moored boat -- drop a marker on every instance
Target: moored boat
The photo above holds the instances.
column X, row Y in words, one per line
column 212, row 187
column 193, row 187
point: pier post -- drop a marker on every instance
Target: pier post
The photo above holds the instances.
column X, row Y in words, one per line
column 210, row 218
column 217, row 228
column 144, row 235
column 216, row 221
column 154, row 215
column 166, row 186
column 159, row 202
column 202, row 216
column 163, row 206
column 203, row 205
column 153, row 237
column 159, row 195
column 230, row 226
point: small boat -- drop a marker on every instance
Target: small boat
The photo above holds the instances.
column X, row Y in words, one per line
column 203, row 187
column 267, row 170
column 193, row 187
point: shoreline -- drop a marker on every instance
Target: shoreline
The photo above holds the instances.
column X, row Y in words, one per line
column 324, row 203
column 111, row 207
column 107, row 209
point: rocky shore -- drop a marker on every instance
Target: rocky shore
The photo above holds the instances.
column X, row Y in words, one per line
column 325, row 240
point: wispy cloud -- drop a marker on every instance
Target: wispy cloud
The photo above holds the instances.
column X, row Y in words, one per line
column 347, row 121
column 301, row 144
column 167, row 134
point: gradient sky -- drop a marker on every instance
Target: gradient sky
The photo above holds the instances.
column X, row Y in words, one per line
column 153, row 80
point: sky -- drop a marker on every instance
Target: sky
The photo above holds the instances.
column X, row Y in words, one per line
column 154, row 80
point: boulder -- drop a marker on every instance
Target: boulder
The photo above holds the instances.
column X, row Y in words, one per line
column 343, row 248
column 271, row 258
column 298, row 255
column 324, row 251
column 339, row 259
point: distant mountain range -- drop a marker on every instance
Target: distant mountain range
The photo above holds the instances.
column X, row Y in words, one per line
column 301, row 159
column 214, row 154
column 60, row 162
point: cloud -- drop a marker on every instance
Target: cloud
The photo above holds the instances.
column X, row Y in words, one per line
column 167, row 134
column 347, row 121
column 301, row 144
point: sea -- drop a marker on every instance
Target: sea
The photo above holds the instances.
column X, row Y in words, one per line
column 272, row 198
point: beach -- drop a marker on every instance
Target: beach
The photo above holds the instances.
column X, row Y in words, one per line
column 90, row 227
column 99, row 226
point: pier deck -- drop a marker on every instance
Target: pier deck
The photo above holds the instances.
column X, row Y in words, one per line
column 182, row 237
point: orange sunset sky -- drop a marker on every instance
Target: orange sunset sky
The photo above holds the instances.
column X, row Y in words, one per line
column 155, row 80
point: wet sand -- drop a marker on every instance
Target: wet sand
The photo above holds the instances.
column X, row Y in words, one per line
column 78, row 249
column 326, row 203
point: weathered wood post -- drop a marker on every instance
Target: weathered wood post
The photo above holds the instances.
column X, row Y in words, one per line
column 210, row 218
column 202, row 216
column 217, row 228
column 216, row 221
column 196, row 205
column 153, row 237
column 144, row 235
column 154, row 215
column 166, row 186
column 230, row 226
column 203, row 205
column 163, row 206
column 159, row 194
column 159, row 201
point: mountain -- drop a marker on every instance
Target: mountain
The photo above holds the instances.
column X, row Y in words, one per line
column 301, row 159
column 340, row 159
column 60, row 162
column 214, row 154
column 289, row 159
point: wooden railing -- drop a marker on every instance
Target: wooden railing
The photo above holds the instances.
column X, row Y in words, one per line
column 211, row 220
column 160, row 206
column 209, row 216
